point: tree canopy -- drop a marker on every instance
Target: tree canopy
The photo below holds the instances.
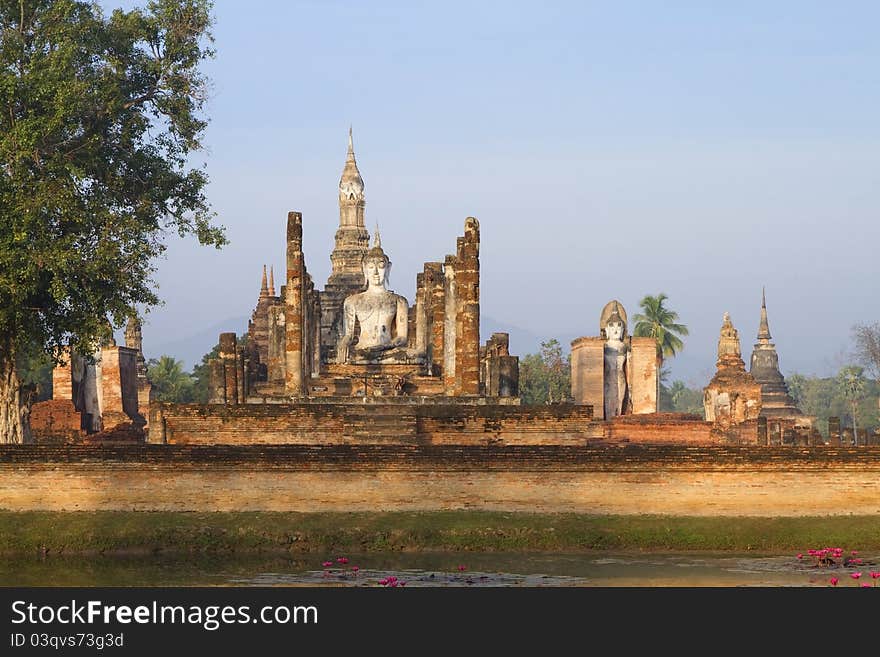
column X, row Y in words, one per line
column 99, row 117
column 545, row 377
column 170, row 382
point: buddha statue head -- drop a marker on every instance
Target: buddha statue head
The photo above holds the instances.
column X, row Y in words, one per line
column 376, row 265
column 612, row 322
column 615, row 327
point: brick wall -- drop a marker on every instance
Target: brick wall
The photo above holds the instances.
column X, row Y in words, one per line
column 326, row 424
column 662, row 428
column 736, row 480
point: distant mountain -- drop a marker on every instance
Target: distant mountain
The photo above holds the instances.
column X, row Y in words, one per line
column 522, row 341
column 191, row 348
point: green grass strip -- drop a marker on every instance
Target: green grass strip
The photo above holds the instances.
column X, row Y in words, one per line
column 44, row 532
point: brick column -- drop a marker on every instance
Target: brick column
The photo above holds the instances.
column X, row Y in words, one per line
column 643, row 382
column 834, row 431
column 467, row 320
column 293, row 307
column 436, row 299
column 230, row 367
column 588, row 374
column 762, row 430
column 119, row 395
column 62, row 377
column 277, row 338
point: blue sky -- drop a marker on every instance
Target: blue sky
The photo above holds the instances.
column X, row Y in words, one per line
column 609, row 150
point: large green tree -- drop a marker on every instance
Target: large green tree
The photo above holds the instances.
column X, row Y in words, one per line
column 170, row 382
column 545, row 378
column 99, row 116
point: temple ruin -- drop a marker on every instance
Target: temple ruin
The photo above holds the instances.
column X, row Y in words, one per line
column 732, row 397
column 356, row 338
column 776, row 404
column 614, row 373
column 103, row 393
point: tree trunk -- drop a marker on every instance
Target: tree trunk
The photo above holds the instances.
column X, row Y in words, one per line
column 14, row 402
column 855, row 429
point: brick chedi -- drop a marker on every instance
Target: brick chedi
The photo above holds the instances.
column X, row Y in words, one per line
column 134, row 340
column 776, row 403
column 732, row 396
column 352, row 242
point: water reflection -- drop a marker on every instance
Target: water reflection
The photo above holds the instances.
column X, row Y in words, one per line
column 428, row 569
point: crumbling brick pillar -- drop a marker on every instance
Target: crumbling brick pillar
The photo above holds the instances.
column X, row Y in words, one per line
column 241, row 375
column 762, row 430
column 316, row 334
column 277, row 340
column 230, row 368
column 775, row 433
column 643, row 371
column 435, row 284
column 63, row 378
column 421, row 321
column 293, row 307
column 218, row 382
column 450, row 314
column 119, row 393
column 499, row 373
column 588, row 374
column 467, row 320
column 834, row 431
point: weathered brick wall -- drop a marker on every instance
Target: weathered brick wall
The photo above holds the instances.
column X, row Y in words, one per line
column 587, row 373
column 56, row 420
column 328, row 424
column 780, row 481
column 662, row 428
column 119, row 391
column 643, row 375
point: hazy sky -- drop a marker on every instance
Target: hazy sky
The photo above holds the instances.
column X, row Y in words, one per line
column 609, row 150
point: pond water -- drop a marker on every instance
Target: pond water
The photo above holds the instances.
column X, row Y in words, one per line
column 466, row 569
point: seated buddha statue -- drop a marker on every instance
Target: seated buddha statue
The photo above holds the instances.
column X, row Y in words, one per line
column 381, row 315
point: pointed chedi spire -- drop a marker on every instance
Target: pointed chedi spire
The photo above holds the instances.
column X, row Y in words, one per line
column 264, row 290
column 377, row 239
column 764, row 326
column 271, row 281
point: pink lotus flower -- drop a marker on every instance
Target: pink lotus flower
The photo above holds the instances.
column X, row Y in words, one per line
column 874, row 575
column 834, row 581
column 461, row 569
column 383, row 582
column 342, row 560
column 866, row 585
column 800, row 556
column 854, row 552
column 327, row 564
column 855, row 575
column 354, row 569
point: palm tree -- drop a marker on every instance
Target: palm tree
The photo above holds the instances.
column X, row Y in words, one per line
column 170, row 382
column 851, row 381
column 658, row 322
